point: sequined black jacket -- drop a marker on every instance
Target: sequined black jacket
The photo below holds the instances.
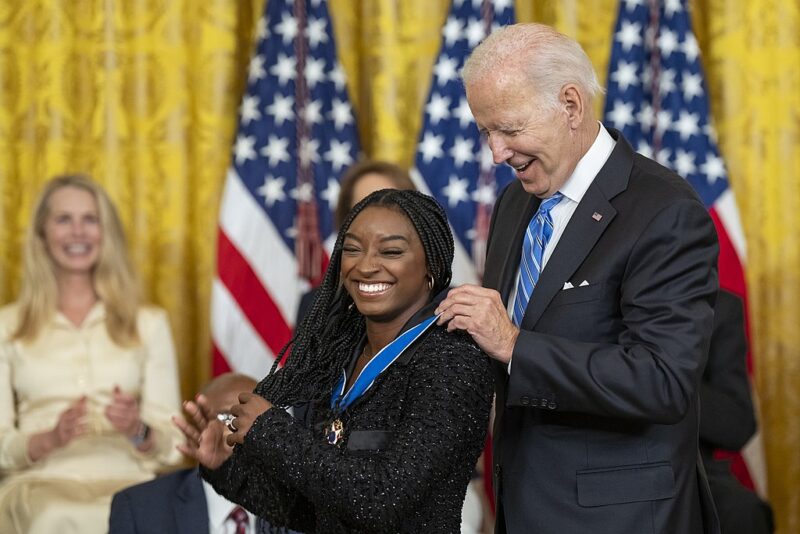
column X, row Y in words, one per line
column 409, row 447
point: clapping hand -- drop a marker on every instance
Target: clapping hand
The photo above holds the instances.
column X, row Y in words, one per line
column 123, row 412
column 70, row 424
column 205, row 434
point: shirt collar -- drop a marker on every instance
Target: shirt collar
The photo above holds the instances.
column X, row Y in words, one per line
column 589, row 166
column 218, row 507
column 96, row 314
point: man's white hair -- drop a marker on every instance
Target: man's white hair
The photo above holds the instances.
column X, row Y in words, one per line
column 545, row 59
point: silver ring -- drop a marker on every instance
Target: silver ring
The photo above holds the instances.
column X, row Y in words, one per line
column 227, row 419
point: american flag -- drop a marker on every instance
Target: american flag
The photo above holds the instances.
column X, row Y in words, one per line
column 296, row 135
column 453, row 163
column 657, row 97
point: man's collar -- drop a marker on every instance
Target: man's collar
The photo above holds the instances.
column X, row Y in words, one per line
column 589, row 166
column 218, row 507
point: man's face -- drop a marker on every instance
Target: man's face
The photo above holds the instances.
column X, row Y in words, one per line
column 521, row 131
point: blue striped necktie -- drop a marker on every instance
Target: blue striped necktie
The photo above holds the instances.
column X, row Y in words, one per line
column 539, row 231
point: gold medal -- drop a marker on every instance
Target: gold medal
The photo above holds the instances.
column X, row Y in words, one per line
column 333, row 432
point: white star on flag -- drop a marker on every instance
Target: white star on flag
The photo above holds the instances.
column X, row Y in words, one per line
column 255, row 70
column 340, row 114
column 272, row 190
column 315, row 71
column 431, row 147
column 445, row 70
column 276, row 150
column 282, row 109
column 284, row 69
column 438, row 108
column 339, row 154
column 287, row 28
column 462, row 151
column 244, row 149
column 316, row 32
column 456, row 191
column 249, row 109
column 331, row 193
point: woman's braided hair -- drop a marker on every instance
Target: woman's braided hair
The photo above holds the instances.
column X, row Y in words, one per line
column 327, row 335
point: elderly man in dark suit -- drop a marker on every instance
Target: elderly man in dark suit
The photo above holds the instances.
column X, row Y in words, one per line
column 597, row 305
column 181, row 502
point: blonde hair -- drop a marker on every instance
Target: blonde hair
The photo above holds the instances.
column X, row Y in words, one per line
column 113, row 277
column 547, row 59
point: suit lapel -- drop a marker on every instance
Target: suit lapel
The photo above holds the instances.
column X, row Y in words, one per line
column 591, row 218
column 576, row 242
column 190, row 508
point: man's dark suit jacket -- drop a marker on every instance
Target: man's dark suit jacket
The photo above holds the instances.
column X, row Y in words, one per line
column 597, row 421
column 174, row 503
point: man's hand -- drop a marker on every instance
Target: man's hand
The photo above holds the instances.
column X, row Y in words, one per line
column 480, row 312
column 204, row 433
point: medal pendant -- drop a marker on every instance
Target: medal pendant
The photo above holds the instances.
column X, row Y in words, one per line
column 333, row 432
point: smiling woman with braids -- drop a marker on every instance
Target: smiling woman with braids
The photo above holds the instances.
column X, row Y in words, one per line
column 389, row 411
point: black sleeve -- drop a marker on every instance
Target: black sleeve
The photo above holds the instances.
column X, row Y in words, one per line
column 447, row 406
column 261, row 487
column 727, row 419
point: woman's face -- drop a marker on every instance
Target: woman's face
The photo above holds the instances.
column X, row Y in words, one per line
column 72, row 232
column 383, row 265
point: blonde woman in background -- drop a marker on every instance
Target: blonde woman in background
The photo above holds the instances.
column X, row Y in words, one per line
column 88, row 377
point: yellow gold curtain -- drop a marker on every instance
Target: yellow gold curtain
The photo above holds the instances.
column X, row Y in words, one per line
column 142, row 94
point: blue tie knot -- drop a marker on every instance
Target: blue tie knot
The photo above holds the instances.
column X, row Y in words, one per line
column 549, row 203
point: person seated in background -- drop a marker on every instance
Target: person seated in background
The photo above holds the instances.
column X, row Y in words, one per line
column 388, row 412
column 88, row 377
column 727, row 420
column 182, row 501
column 357, row 182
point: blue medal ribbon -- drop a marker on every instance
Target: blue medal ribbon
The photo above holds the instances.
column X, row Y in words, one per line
column 377, row 365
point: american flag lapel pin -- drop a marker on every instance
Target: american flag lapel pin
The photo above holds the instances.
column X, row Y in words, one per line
column 596, row 216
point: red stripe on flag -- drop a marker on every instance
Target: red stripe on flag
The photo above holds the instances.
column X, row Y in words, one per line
column 219, row 364
column 253, row 299
column 731, row 277
column 731, row 273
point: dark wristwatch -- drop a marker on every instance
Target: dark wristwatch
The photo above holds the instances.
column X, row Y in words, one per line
column 141, row 435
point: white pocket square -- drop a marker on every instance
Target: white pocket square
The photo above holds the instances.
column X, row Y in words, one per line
column 567, row 285
column 584, row 283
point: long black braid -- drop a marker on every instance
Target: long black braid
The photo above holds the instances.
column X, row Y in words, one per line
column 327, row 335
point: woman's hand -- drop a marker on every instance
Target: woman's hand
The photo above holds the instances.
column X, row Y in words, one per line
column 69, row 426
column 123, row 412
column 249, row 408
column 205, row 435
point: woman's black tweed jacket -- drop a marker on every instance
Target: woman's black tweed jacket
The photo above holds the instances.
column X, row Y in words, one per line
column 409, row 449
